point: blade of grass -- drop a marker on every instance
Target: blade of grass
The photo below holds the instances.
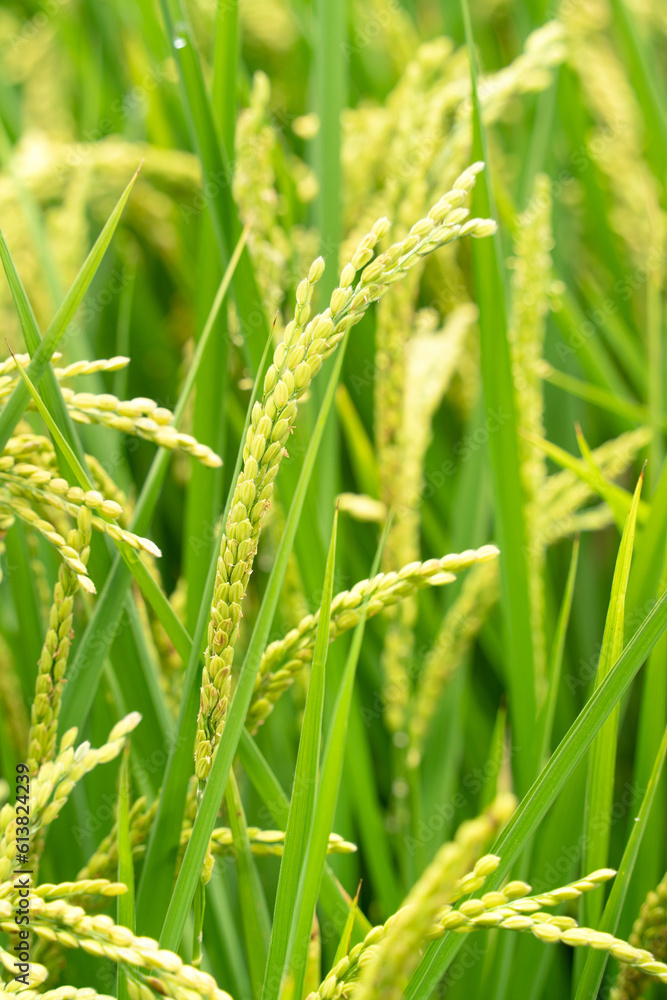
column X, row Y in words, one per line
column 149, row 587
column 647, row 82
column 125, row 911
column 327, row 795
column 209, row 424
column 652, row 717
column 103, row 625
column 223, row 945
column 302, row 802
column 13, row 409
column 655, row 363
column 602, row 759
column 651, row 543
column 490, row 286
column 618, row 499
column 225, row 63
column 621, row 338
column 209, row 418
column 162, row 848
column 26, row 603
column 254, row 911
column 346, row 936
column 217, row 175
column 596, row 960
column 205, row 822
column 495, row 756
column 274, row 798
column 589, row 350
column 51, row 389
column 622, row 406
column 551, row 781
column 362, row 455
column 548, row 711
column 359, row 777
column 59, row 440
column 328, row 71
column 591, row 465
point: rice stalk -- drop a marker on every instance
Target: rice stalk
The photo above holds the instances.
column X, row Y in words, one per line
column 296, row 361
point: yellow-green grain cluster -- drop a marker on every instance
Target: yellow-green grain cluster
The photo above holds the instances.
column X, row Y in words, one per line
column 52, row 786
column 285, row 658
column 297, row 359
column 55, row 651
column 383, row 959
column 150, row 969
column 387, row 969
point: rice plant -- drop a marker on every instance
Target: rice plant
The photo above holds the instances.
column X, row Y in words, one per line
column 333, row 626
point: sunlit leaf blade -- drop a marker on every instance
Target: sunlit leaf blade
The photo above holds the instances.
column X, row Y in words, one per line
column 153, row 895
column 552, row 779
column 187, row 879
column 302, row 802
column 270, row 791
column 602, row 760
column 103, row 625
column 327, row 795
column 596, row 960
column 490, row 293
column 17, row 402
column 254, row 911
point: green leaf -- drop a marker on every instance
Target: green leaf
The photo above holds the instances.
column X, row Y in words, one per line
column 56, row 433
column 327, row 795
column 596, row 960
column 217, row 174
column 271, row 792
column 205, row 822
column 104, row 622
column 491, row 294
column 43, row 350
column 125, row 914
column 548, row 710
column 302, row 803
column 162, row 849
column 254, row 910
column 536, row 803
column 150, row 589
column 621, row 405
column 648, row 83
column 346, row 936
column 602, row 759
column 618, row 499
column 225, row 67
